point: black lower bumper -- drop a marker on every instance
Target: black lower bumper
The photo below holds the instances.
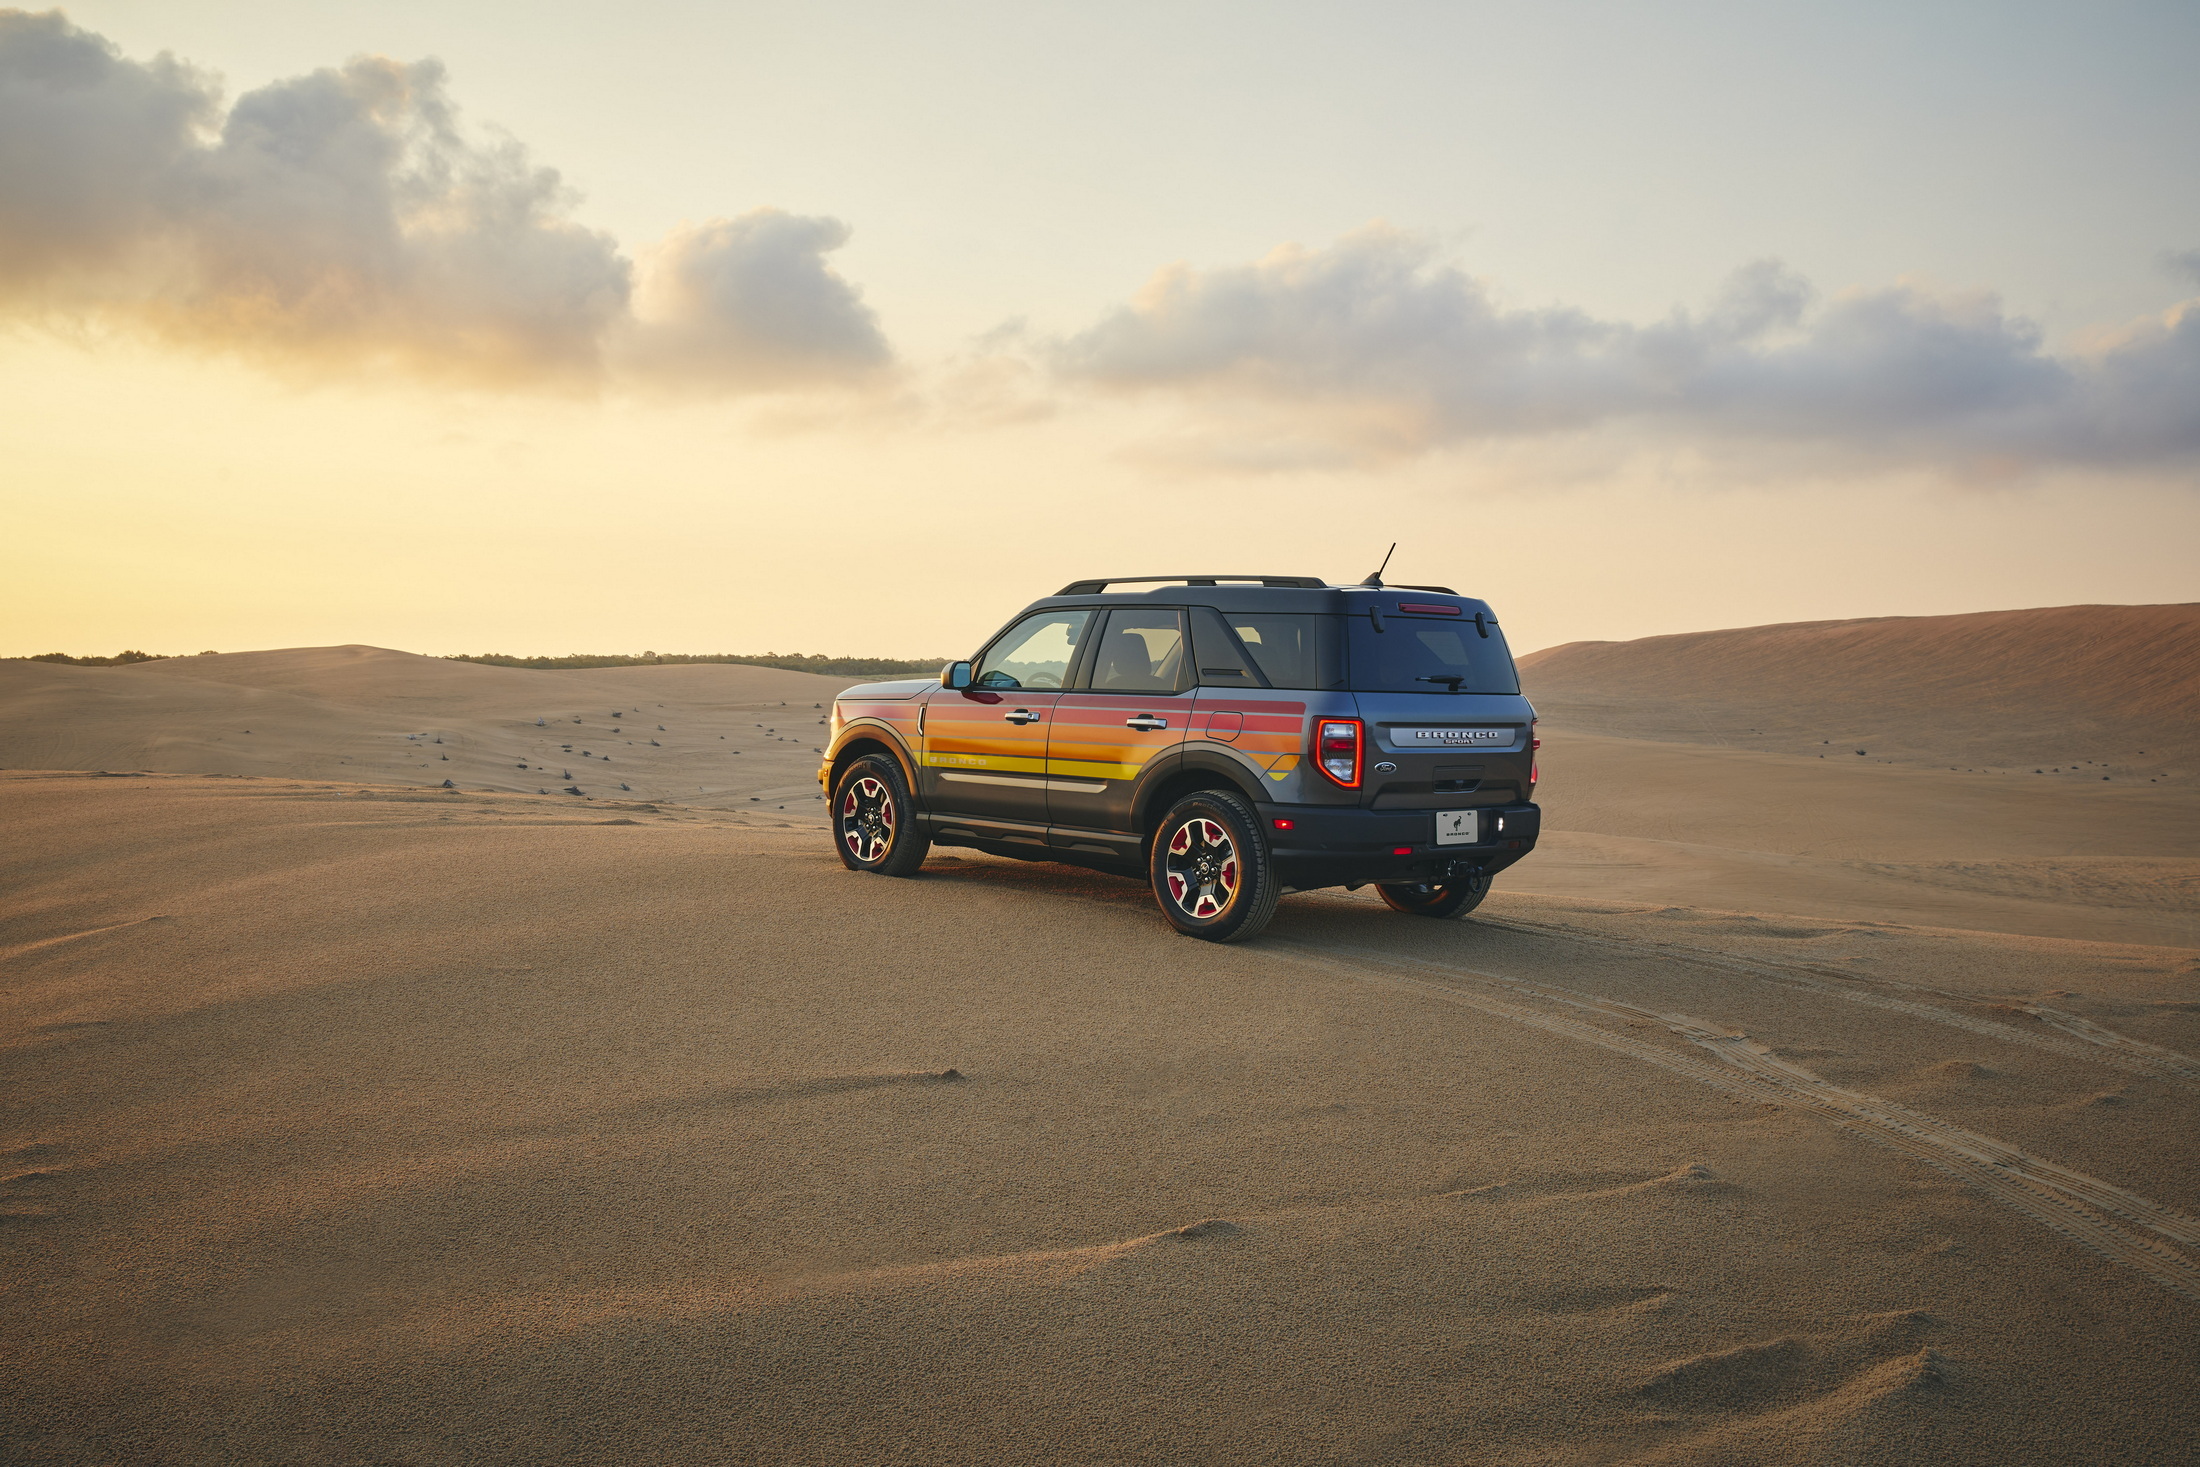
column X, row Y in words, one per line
column 1327, row 846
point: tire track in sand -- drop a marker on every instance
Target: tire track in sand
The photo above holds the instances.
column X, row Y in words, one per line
column 2078, row 1038
column 2109, row 1220
column 25, row 949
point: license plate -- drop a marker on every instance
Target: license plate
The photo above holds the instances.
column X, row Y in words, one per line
column 1458, row 827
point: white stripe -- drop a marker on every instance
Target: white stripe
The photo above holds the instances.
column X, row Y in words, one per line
column 995, row 779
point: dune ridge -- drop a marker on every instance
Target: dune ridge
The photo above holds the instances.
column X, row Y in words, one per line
column 2050, row 684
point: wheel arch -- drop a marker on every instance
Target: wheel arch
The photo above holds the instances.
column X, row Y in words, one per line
column 1193, row 773
column 870, row 739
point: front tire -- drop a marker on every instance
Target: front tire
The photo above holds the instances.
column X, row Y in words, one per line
column 1451, row 899
column 875, row 825
column 1211, row 870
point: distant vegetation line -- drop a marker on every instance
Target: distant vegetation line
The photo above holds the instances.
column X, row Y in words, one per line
column 117, row 660
column 793, row 662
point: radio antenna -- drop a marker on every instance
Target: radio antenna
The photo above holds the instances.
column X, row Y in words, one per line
column 1376, row 579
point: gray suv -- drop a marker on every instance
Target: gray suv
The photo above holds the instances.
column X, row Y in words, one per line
column 1226, row 738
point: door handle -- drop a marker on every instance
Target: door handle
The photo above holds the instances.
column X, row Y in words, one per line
column 1145, row 723
column 1021, row 715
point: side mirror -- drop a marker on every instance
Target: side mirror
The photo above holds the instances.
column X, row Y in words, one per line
column 955, row 675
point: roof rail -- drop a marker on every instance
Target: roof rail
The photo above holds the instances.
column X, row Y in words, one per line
column 1094, row 588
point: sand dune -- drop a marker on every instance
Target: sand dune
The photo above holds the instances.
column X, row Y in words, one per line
column 2027, row 771
column 356, row 1124
column 730, row 735
column 2042, row 688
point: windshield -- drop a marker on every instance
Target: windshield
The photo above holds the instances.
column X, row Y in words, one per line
column 1423, row 655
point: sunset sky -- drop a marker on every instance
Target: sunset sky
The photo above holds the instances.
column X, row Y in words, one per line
column 849, row 328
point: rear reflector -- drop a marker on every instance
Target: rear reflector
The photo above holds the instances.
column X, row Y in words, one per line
column 1401, row 850
column 1285, row 824
column 1426, row 608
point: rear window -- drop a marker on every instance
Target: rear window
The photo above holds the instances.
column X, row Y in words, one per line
column 1413, row 655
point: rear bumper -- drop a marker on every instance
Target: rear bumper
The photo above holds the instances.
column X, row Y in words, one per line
column 1327, row 846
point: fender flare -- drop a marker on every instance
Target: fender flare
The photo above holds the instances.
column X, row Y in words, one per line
column 1202, row 758
column 876, row 731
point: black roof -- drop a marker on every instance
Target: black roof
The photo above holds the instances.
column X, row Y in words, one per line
column 1094, row 588
column 1251, row 595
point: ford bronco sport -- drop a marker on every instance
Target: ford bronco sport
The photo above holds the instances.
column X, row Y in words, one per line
column 1227, row 738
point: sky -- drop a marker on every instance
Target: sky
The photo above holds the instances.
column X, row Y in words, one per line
column 850, row 328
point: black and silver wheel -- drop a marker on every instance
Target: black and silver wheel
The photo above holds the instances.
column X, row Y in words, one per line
column 1435, row 898
column 874, row 823
column 1211, row 870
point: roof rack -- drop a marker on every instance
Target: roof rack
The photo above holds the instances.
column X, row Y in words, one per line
column 1094, row 588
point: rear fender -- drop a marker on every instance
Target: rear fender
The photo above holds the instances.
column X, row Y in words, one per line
column 1202, row 766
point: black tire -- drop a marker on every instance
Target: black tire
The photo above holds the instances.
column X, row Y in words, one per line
column 875, row 824
column 1450, row 899
column 1211, row 870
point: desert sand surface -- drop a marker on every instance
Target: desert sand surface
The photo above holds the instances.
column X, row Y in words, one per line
column 1780, row 1109
column 2024, row 771
column 713, row 735
column 352, row 1124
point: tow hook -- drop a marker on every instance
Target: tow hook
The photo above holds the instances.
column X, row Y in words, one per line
column 1468, row 874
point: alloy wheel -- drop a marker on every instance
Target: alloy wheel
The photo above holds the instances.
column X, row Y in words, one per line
column 1202, row 868
column 867, row 820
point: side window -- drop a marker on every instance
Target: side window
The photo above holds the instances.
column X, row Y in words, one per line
column 1140, row 652
column 1219, row 661
column 1034, row 653
column 1291, row 649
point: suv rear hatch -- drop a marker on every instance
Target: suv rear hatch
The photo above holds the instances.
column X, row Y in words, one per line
column 1437, row 691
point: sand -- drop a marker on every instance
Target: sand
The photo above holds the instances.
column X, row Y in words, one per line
column 712, row 735
column 357, row 1123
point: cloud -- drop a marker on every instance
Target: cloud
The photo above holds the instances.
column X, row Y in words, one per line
column 750, row 301
column 1376, row 344
column 344, row 220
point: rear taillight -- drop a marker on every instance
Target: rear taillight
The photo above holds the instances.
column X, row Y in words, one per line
column 1337, row 745
column 1535, row 773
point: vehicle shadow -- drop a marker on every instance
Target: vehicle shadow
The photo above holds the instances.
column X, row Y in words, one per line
column 1321, row 917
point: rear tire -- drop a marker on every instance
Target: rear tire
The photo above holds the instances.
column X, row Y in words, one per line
column 1433, row 899
column 875, row 825
column 1211, row 870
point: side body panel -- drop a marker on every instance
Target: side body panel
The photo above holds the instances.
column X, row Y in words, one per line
column 1097, row 762
column 891, row 721
column 984, row 754
column 1263, row 732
